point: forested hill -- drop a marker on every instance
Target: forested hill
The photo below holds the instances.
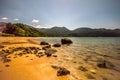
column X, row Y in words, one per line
column 19, row 29
column 81, row 32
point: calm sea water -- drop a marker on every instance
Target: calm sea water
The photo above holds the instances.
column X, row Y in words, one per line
column 100, row 45
column 87, row 52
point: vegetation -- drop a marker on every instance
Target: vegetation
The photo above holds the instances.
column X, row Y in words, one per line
column 21, row 30
column 82, row 32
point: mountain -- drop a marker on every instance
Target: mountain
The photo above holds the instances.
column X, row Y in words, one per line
column 81, row 32
column 88, row 32
column 56, row 31
column 19, row 29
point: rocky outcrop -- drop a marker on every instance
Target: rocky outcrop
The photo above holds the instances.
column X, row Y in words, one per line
column 66, row 41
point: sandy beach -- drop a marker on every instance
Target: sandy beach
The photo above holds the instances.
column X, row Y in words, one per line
column 28, row 66
column 84, row 63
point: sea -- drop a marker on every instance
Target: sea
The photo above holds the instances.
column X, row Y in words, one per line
column 84, row 55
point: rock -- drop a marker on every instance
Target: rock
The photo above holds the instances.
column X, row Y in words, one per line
column 66, row 41
column 44, row 43
column 7, row 65
column 20, row 54
column 6, row 60
column 102, row 64
column 48, row 54
column 62, row 72
column 1, row 46
column 57, row 45
column 82, row 68
column 90, row 77
column 46, row 47
column 55, row 67
column 50, row 51
column 54, row 55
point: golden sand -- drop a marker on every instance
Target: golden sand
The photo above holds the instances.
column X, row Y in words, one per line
column 27, row 68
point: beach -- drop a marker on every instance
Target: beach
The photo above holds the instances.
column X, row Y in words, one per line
column 26, row 67
column 84, row 60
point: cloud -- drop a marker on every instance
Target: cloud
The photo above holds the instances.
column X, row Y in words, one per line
column 39, row 26
column 4, row 18
column 16, row 19
column 35, row 21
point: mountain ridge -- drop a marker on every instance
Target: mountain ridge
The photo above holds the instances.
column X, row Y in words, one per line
column 19, row 29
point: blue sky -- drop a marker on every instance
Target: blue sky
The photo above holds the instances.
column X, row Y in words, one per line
column 69, row 13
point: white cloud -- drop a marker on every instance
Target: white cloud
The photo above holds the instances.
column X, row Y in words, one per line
column 16, row 19
column 4, row 18
column 35, row 21
column 39, row 26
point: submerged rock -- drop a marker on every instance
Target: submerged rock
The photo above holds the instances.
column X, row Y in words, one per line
column 105, row 64
column 66, row 41
column 62, row 72
column 102, row 64
column 82, row 68
column 50, row 51
column 90, row 77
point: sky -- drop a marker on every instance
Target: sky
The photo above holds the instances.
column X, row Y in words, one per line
column 69, row 13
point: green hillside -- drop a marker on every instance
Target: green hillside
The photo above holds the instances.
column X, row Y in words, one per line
column 20, row 29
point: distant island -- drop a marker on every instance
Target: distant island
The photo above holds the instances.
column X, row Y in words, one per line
column 19, row 29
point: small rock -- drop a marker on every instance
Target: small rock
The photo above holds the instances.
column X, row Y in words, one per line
column 7, row 65
column 44, row 43
column 82, row 68
column 62, row 72
column 46, row 47
column 90, row 77
column 49, row 52
column 55, row 67
column 1, row 46
column 102, row 64
column 54, row 55
column 6, row 60
column 27, row 56
column 57, row 45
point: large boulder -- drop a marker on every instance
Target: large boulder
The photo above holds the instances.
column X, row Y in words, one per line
column 57, row 45
column 66, row 41
column 44, row 43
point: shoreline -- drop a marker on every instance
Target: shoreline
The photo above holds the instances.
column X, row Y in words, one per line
column 28, row 66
